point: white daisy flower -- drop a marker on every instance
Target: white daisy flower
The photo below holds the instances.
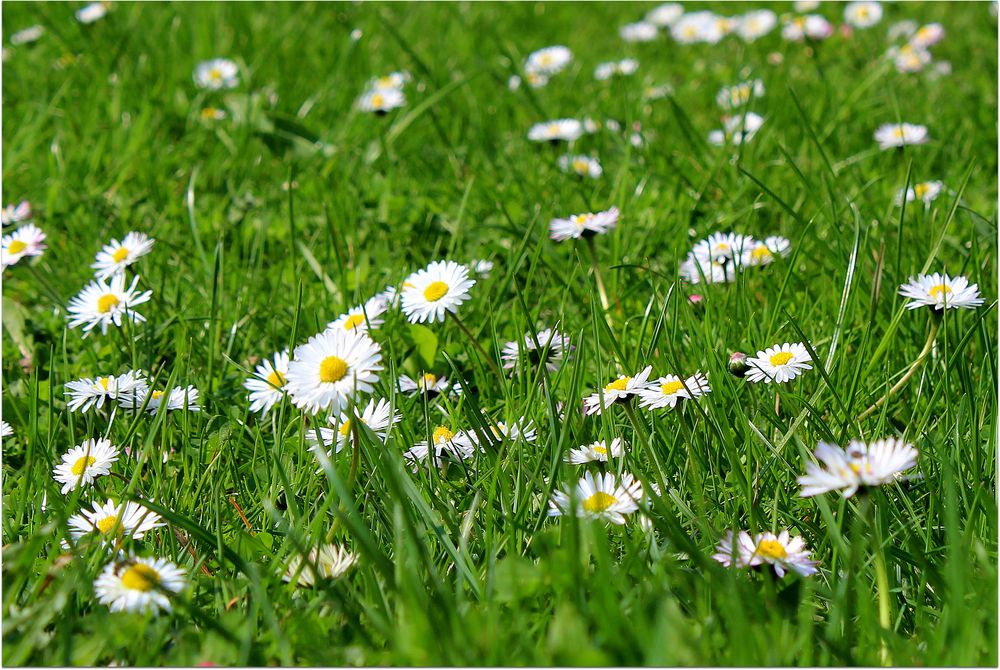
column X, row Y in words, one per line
column 941, row 292
column 755, row 24
column 88, row 393
column 926, row 192
column 657, row 92
column 803, row 6
column 736, row 129
column 731, row 97
column 117, row 256
column 104, row 304
column 582, row 166
column 330, row 561
column 601, row 497
column 892, row 135
column 16, row 213
column 641, row 31
column 458, row 445
column 781, row 551
column 439, row 288
column 84, row 463
column 863, row 14
column 622, row 388
column 548, row 61
column 695, row 27
column 762, row 252
column 381, row 101
column 28, row 240
column 908, row 59
column 427, row 384
column 175, row 399
column 860, row 465
column 139, row 584
column 667, row 390
column 377, row 415
column 560, row 130
column 695, row 270
column 596, row 451
column 927, row 36
column 212, row 114
column 267, row 386
column 394, row 81
column 127, row 519
column 332, row 367
column 583, row 225
column 780, row 363
column 362, row 317
column 482, row 268
column 95, row 11
column 534, row 79
column 811, row 26
column 722, row 247
column 27, row 36
column 624, row 68
column 549, row 346
column 522, row 429
column 904, row 28
column 5, row 429
column 665, row 15
column 216, row 74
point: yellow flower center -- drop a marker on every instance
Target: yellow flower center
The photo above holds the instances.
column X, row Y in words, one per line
column 276, row 379
column 761, row 253
column 378, row 100
column 598, row 449
column 863, row 12
column 580, row 165
column 332, row 369
column 939, row 290
column 920, row 190
column 435, row 291
column 104, row 382
column 157, row 395
column 82, row 464
column 385, row 82
column 581, row 219
column 140, row 577
column 215, row 74
column 772, row 549
column 442, row 435
column 923, row 33
column 690, row 32
column 546, row 59
column 354, row 321
column 107, row 302
column 671, row 388
column 16, row 247
column 107, row 523
column 428, row 380
column 209, row 113
column 618, row 384
column 781, row 358
column 897, row 132
column 345, row 427
column 598, row 502
column 120, row 254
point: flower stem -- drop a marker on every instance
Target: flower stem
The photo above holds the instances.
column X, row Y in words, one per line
column 479, row 348
column 909, row 373
column 601, row 291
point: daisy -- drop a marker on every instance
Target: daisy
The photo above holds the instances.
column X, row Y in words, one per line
column 444, row 442
column 363, row 317
column 381, row 101
column 756, row 24
column 175, row 399
column 695, row 270
column 549, row 346
column 429, row 294
column 582, row 166
column 427, row 384
column 117, row 256
column 904, row 28
column 731, row 97
column 596, row 451
column 927, row 36
column 638, row 32
column 103, row 304
column 481, row 267
column 87, row 393
column 139, row 584
column 378, row 416
column 620, row 389
column 812, row 26
column 16, row 213
column 522, row 429
column 212, row 114
column 127, row 519
column 623, row 68
column 665, row 15
column 267, row 386
column 860, row 465
column 560, row 130
column 941, row 292
column 394, row 81
column 217, row 74
column 780, row 363
column 657, row 92
column 28, row 240
column 27, row 36
column 925, row 192
column 548, row 61
column 583, row 225
column 5, row 429
column 736, row 129
column 84, row 463
column 332, row 367
column 95, row 11
column 602, row 497
column 667, row 390
column 909, row 59
column 781, row 551
column 863, row 14
column 762, row 252
column 722, row 247
column 697, row 27
column 330, row 561
column 892, row 135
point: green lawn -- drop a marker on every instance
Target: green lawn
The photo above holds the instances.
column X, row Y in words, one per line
column 271, row 222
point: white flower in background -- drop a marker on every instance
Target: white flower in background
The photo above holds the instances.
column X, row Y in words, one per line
column 330, row 561
column 441, row 287
column 381, row 101
column 926, row 192
column 217, row 74
column 860, row 465
column 362, row 317
column 582, row 166
column 483, row 268
column 736, row 129
column 267, row 386
column 560, row 130
column 781, row 551
column 599, row 451
column 28, row 240
column 759, row 252
column 212, row 114
column 731, row 97
column 696, row 270
column 668, row 390
column 657, row 92
column 117, row 256
column 394, row 81
column 622, row 388
column 377, row 415
column 803, row 6
column 639, row 32
column 548, row 346
column 722, row 246
column 175, row 399
column 863, row 14
column 811, row 26
column 548, row 61
column 909, row 59
column 427, row 384
column 458, row 445
column 84, row 463
column 127, row 519
column 139, row 584
column 27, row 36
column 522, row 429
column 623, row 68
column 95, row 11
column 16, row 213
column 927, row 36
column 755, row 24
column 534, row 79
column 331, row 368
column 583, row 225
column 87, row 393
column 665, row 15
column 697, row 27
column 891, row 135
column 602, row 497
column 780, row 363
column 5, row 429
column 941, row 292
column 104, row 304
column 904, row 28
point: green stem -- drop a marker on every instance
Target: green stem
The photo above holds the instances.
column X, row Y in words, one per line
column 909, row 373
column 479, row 348
column 881, row 587
column 601, row 291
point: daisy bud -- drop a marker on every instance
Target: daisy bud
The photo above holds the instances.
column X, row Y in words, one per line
column 738, row 364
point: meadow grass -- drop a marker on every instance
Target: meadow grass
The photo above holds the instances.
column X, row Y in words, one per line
column 274, row 221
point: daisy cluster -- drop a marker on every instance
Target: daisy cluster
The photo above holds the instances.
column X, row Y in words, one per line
column 384, row 93
column 720, row 257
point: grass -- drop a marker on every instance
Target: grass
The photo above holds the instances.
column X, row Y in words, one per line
column 274, row 221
